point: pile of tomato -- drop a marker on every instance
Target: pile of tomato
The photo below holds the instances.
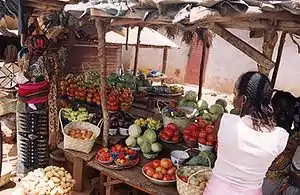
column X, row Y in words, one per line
column 170, row 133
column 161, row 170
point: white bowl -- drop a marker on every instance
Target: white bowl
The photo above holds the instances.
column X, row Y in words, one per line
column 179, row 156
column 136, row 148
column 205, row 147
column 123, row 131
column 113, row 131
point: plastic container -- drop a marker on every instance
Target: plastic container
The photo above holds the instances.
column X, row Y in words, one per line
column 123, row 131
column 179, row 156
column 205, row 147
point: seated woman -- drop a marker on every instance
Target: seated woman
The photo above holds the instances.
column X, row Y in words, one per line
column 284, row 106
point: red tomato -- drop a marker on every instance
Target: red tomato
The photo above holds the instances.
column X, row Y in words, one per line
column 155, row 163
column 147, row 167
column 201, row 123
column 193, row 126
column 172, row 126
column 173, row 177
column 192, row 139
column 209, row 129
column 167, row 178
column 184, row 178
column 166, row 163
column 150, row 172
column 165, row 137
column 169, row 132
column 210, row 138
column 158, row 176
column 187, row 131
column 175, row 138
column 195, row 133
column 171, row 171
column 202, row 134
column 209, row 143
column 201, row 140
column 186, row 137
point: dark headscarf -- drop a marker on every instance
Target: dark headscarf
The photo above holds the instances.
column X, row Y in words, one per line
column 38, row 44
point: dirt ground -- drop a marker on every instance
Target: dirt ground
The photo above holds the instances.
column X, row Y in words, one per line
column 10, row 150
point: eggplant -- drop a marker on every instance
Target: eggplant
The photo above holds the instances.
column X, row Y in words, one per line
column 113, row 118
column 127, row 124
column 121, row 122
column 128, row 117
column 114, row 125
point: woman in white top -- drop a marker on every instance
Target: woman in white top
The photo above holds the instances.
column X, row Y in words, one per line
column 247, row 144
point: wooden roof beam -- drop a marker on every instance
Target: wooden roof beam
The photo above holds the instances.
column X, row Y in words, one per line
column 243, row 46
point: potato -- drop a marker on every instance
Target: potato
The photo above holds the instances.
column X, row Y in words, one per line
column 68, row 177
column 49, row 174
column 202, row 185
column 63, row 185
column 47, row 169
column 201, row 178
column 61, row 173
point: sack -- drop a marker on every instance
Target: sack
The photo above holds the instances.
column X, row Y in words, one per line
column 7, row 103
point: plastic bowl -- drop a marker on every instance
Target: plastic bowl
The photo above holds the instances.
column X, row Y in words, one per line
column 203, row 147
column 113, row 132
column 179, row 156
column 123, row 131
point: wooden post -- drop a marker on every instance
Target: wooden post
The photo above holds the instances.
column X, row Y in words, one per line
column 101, row 27
column 270, row 40
column 243, row 47
column 278, row 58
column 202, row 64
column 165, row 59
column 137, row 46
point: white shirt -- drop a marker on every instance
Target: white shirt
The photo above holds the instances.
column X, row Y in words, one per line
column 244, row 155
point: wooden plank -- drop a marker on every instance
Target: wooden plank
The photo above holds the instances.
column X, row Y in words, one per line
column 278, row 59
column 112, row 182
column 243, row 46
column 78, row 174
column 200, row 14
column 134, row 178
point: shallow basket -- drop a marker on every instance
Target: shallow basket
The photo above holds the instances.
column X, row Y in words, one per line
column 77, row 144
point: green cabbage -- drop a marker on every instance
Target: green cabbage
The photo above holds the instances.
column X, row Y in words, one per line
column 216, row 109
column 222, row 102
column 202, row 105
column 185, row 103
column 146, row 148
column 156, row 147
column 207, row 116
column 134, row 130
column 191, row 96
column 202, row 159
column 150, row 136
column 130, row 141
column 140, row 140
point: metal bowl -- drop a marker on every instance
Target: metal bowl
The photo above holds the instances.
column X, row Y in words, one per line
column 159, row 182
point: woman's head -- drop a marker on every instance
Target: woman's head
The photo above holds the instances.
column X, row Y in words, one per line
column 253, row 93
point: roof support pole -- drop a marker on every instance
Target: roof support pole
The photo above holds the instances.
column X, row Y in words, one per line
column 202, row 64
column 269, row 42
column 278, row 58
column 164, row 62
column 102, row 27
column 243, row 47
column 137, row 46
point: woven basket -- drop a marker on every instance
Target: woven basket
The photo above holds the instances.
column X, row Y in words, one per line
column 186, row 188
column 84, row 146
column 180, row 122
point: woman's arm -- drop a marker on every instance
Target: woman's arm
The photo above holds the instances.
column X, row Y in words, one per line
column 216, row 127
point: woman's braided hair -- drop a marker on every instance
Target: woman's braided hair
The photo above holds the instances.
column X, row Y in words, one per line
column 257, row 89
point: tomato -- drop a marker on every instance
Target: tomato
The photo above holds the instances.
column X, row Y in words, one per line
column 163, row 136
column 172, row 126
column 147, row 167
column 202, row 134
column 187, row 131
column 210, row 138
column 166, row 163
column 176, row 132
column 155, row 163
column 202, row 123
column 192, row 139
column 171, row 171
column 169, row 132
column 209, row 129
column 150, row 172
column 193, row 126
column 186, row 137
column 173, row 177
column 175, row 138
column 195, row 133
column 158, row 176
column 201, row 140
column 184, row 178
column 167, row 178
column 209, row 143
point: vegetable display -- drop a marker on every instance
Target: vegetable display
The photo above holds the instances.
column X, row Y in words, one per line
column 200, row 179
column 165, row 90
column 163, row 170
column 81, row 114
column 148, row 123
column 170, row 134
column 120, row 120
column 48, row 181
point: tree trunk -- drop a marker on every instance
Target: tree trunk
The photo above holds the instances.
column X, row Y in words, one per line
column 101, row 27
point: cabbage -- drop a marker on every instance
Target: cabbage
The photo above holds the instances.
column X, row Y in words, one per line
column 234, row 111
column 134, row 130
column 201, row 159
column 191, row 96
column 156, row 147
column 150, row 136
column 207, row 116
column 222, row 102
column 216, row 109
column 140, row 140
column 185, row 103
column 202, row 105
column 146, row 148
column 130, row 141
